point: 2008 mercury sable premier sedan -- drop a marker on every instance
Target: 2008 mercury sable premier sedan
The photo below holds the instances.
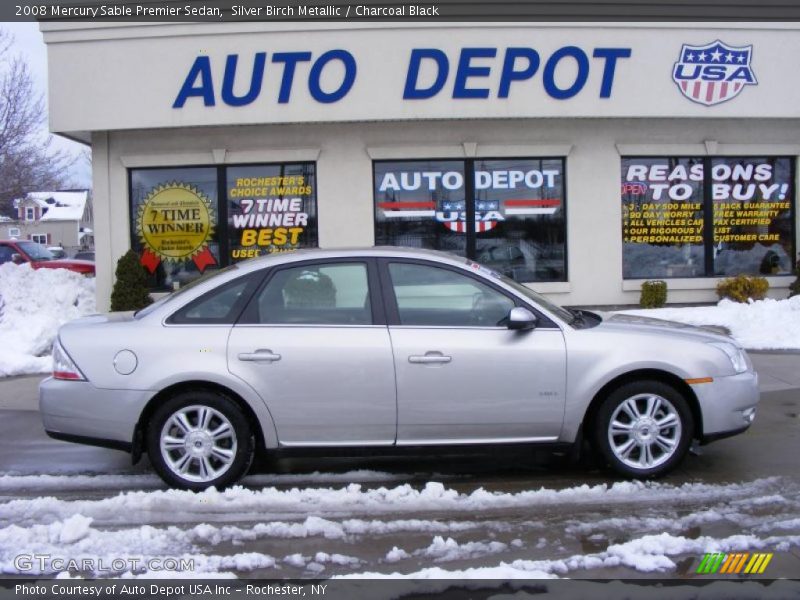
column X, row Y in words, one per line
column 385, row 347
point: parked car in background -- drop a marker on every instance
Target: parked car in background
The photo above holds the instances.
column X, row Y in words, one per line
column 389, row 349
column 84, row 255
column 57, row 251
column 39, row 257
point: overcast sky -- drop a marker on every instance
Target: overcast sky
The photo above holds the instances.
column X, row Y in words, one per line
column 28, row 43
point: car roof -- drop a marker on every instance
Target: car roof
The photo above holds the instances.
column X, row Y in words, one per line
column 351, row 252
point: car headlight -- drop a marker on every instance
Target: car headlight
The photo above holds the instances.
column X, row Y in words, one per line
column 735, row 354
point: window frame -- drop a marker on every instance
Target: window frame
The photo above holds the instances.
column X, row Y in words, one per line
column 469, row 200
column 708, row 212
column 32, row 213
column 393, row 311
column 39, row 235
column 249, row 316
column 222, row 232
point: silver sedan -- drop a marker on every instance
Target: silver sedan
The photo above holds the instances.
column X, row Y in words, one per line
column 388, row 349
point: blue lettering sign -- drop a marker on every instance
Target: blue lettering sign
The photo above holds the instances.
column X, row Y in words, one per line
column 256, row 79
column 205, row 89
column 510, row 73
column 412, row 91
column 467, row 70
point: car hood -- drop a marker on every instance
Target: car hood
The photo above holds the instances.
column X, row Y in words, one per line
column 649, row 325
column 64, row 263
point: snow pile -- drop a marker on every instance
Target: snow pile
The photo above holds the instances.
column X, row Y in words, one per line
column 758, row 325
column 272, row 503
column 33, row 305
column 647, row 554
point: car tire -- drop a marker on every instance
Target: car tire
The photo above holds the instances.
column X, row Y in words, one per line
column 198, row 439
column 643, row 429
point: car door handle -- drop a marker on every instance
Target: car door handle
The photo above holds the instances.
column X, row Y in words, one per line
column 259, row 356
column 430, row 358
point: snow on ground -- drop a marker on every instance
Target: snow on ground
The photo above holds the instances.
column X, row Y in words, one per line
column 34, row 303
column 758, row 325
column 12, row 482
column 270, row 502
column 441, row 533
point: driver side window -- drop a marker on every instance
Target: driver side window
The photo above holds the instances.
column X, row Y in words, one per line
column 432, row 296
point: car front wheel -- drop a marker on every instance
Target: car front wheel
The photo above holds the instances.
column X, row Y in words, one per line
column 198, row 439
column 644, row 429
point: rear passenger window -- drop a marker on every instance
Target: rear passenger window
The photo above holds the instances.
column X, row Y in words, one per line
column 217, row 307
column 432, row 296
column 319, row 294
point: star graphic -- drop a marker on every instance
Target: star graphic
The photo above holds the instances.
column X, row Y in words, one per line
column 740, row 58
column 729, row 57
column 702, row 56
column 716, row 55
column 689, row 57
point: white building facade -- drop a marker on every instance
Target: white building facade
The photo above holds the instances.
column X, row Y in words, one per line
column 581, row 159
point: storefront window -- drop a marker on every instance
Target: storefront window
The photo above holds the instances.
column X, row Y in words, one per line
column 408, row 198
column 271, row 208
column 662, row 217
column 176, row 215
column 696, row 217
column 753, row 200
column 507, row 213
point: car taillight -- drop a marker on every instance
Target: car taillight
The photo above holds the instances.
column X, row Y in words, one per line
column 63, row 367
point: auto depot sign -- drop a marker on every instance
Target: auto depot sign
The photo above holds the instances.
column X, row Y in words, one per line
column 472, row 70
column 174, row 75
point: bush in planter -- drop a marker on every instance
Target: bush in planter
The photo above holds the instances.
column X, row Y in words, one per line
column 654, row 294
column 794, row 288
column 130, row 290
column 742, row 288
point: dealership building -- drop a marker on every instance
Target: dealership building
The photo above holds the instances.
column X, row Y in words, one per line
column 580, row 159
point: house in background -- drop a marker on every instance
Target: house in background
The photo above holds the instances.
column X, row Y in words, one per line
column 62, row 218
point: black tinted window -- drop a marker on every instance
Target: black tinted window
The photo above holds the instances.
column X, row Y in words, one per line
column 320, row 294
column 219, row 306
column 434, row 296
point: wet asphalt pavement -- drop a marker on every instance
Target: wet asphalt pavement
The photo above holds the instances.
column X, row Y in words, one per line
column 301, row 519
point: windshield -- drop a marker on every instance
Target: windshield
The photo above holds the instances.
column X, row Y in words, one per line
column 210, row 274
column 537, row 298
column 35, row 251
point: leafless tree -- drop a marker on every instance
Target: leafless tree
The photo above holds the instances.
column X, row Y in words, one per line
column 28, row 161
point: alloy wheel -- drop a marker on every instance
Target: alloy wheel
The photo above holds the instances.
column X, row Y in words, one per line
column 198, row 443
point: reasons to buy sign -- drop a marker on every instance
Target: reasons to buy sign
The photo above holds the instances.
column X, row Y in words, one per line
column 175, row 224
column 663, row 203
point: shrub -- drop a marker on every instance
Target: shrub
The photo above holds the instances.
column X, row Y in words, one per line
column 130, row 288
column 654, row 294
column 742, row 288
column 794, row 288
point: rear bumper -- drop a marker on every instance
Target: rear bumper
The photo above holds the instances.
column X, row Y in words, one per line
column 728, row 405
column 79, row 412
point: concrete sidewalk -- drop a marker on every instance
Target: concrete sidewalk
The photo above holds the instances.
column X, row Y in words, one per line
column 776, row 371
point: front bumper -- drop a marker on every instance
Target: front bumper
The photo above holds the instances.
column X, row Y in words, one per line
column 78, row 411
column 727, row 405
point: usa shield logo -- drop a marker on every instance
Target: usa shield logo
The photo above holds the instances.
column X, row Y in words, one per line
column 713, row 73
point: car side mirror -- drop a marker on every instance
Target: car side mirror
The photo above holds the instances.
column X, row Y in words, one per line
column 521, row 319
column 17, row 259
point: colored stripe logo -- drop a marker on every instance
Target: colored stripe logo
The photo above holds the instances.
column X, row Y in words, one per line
column 734, row 563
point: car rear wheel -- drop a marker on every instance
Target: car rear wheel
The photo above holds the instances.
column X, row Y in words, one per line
column 644, row 428
column 198, row 439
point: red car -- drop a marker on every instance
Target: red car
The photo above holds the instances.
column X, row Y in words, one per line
column 39, row 257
